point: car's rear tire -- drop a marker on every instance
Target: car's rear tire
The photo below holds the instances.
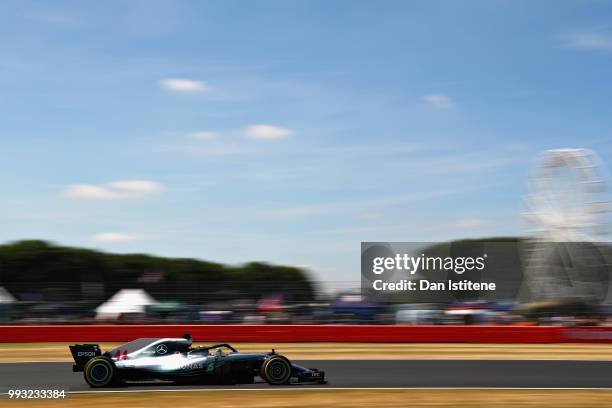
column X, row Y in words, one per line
column 276, row 370
column 99, row 372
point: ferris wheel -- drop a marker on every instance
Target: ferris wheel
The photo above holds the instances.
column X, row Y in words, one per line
column 567, row 204
column 567, row 199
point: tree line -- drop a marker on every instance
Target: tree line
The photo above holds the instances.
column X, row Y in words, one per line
column 39, row 269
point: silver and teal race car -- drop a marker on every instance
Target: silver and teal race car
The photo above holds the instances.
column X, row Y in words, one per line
column 174, row 359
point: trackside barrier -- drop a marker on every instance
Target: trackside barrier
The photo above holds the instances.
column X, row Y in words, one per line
column 309, row 333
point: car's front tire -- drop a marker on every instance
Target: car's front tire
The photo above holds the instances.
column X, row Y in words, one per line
column 99, row 372
column 276, row 370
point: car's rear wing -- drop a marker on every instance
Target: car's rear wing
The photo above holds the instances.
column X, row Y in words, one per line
column 82, row 353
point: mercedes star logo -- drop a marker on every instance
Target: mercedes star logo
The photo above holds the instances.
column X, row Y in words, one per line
column 161, row 349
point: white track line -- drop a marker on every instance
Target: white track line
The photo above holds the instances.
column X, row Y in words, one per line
column 280, row 389
column 336, row 389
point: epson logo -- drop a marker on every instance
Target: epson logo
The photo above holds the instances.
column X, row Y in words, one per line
column 86, row 354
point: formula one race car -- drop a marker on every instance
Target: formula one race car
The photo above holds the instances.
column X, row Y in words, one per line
column 173, row 359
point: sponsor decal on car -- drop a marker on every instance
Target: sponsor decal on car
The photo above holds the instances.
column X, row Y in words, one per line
column 192, row 366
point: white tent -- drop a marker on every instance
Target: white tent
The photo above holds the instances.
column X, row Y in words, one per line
column 5, row 296
column 124, row 301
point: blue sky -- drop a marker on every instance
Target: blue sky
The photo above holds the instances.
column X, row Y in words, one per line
column 290, row 132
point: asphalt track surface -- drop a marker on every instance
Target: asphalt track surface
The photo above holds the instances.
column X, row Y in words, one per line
column 364, row 374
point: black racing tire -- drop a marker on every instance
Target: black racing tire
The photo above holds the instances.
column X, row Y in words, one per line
column 276, row 370
column 100, row 372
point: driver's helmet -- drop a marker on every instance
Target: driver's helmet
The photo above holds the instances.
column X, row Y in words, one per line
column 219, row 352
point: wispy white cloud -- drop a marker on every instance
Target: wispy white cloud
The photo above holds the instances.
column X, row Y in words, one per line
column 88, row 191
column 214, row 148
column 373, row 149
column 113, row 237
column 476, row 162
column 267, row 132
column 439, row 101
column 461, row 226
column 371, row 216
column 139, row 187
column 590, row 41
column 113, row 190
column 467, row 223
column 345, row 207
column 202, row 135
column 184, row 85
